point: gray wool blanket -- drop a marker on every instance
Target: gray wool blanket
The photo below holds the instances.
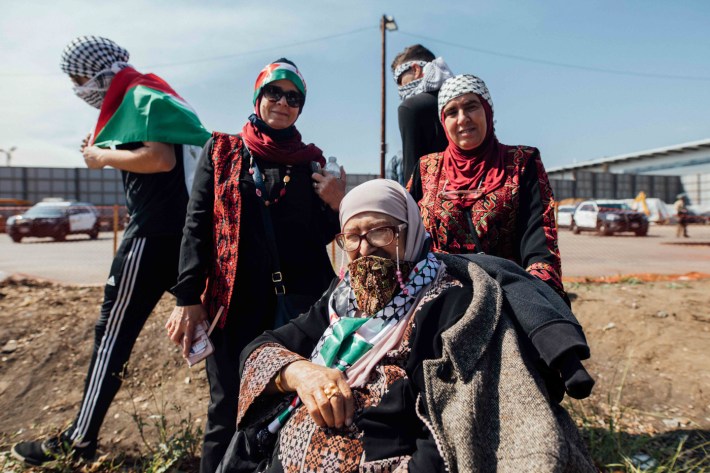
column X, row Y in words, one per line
column 484, row 400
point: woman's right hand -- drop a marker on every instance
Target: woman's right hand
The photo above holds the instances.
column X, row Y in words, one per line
column 324, row 392
column 182, row 323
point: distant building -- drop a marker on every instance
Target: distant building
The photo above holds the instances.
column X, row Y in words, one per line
column 689, row 161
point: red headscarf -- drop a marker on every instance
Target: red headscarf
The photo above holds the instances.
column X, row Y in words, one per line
column 480, row 169
column 282, row 148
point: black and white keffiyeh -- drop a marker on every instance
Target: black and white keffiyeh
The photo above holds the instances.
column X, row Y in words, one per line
column 460, row 85
column 343, row 304
column 86, row 56
column 94, row 91
column 404, row 67
column 434, row 74
column 97, row 58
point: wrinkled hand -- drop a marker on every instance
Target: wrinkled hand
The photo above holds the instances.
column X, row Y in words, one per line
column 329, row 188
column 92, row 157
column 85, row 142
column 311, row 381
column 182, row 323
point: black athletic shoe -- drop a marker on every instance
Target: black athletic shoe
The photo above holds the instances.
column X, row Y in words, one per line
column 43, row 453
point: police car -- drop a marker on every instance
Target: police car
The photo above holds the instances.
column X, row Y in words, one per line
column 55, row 219
column 607, row 217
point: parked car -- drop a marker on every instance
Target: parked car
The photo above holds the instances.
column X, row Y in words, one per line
column 608, row 217
column 55, row 219
column 564, row 215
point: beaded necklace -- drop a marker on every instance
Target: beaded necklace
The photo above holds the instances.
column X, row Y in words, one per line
column 259, row 178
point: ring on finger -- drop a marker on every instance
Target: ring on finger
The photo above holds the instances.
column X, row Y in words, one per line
column 330, row 390
column 315, row 185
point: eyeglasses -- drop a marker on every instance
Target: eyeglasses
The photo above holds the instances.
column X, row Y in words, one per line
column 274, row 93
column 377, row 237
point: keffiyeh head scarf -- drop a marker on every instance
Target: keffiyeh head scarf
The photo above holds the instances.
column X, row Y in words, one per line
column 96, row 58
column 434, row 74
column 463, row 84
column 475, row 172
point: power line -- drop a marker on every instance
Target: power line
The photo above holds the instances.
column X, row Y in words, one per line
column 426, row 38
column 558, row 64
column 220, row 57
column 263, row 50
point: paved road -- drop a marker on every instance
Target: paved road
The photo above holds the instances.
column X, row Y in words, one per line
column 83, row 261
column 660, row 252
column 78, row 260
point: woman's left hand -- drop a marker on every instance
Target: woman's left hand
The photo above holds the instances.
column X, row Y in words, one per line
column 329, row 188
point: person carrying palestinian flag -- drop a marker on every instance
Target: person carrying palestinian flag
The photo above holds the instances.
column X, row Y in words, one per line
column 152, row 135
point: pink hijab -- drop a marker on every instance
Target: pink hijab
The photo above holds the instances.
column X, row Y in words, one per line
column 390, row 198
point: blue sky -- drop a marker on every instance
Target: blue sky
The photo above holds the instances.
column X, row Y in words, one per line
column 211, row 53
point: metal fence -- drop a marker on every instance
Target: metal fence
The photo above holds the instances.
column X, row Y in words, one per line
column 597, row 185
column 98, row 186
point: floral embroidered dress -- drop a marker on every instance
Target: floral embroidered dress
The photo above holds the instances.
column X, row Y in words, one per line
column 516, row 221
column 388, row 398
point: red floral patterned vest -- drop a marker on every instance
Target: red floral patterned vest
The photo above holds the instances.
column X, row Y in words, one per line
column 227, row 213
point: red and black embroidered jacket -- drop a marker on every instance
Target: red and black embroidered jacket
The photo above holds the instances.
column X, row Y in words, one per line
column 515, row 221
column 224, row 256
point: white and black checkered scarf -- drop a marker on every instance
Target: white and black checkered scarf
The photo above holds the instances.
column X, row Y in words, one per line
column 434, row 74
column 86, row 56
column 461, row 85
column 97, row 58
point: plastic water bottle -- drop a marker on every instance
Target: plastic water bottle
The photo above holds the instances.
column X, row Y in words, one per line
column 332, row 167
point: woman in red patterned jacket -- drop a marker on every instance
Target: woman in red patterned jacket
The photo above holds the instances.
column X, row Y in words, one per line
column 226, row 259
column 481, row 196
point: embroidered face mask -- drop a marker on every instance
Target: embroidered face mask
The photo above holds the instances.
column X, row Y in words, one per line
column 374, row 281
column 94, row 90
column 89, row 94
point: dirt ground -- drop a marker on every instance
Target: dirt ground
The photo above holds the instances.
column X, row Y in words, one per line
column 649, row 345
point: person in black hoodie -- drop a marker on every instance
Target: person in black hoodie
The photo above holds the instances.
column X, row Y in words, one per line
column 419, row 75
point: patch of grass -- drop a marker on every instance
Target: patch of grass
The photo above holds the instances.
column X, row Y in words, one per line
column 615, row 450
column 678, row 285
column 175, row 446
column 170, row 444
column 631, row 280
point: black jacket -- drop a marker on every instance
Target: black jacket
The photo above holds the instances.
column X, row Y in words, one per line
column 421, row 130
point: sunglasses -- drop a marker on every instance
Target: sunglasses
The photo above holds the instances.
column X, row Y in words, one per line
column 274, row 93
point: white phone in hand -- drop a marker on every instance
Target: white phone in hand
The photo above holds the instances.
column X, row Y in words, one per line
column 201, row 344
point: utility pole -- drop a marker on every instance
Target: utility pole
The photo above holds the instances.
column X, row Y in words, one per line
column 387, row 23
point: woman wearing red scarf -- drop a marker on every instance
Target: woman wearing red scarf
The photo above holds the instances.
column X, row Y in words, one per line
column 481, row 196
column 244, row 183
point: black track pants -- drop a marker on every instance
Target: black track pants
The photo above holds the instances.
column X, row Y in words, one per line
column 143, row 269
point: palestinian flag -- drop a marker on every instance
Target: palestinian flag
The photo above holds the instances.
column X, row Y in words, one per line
column 143, row 107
